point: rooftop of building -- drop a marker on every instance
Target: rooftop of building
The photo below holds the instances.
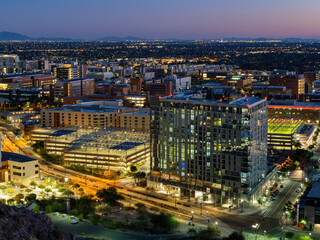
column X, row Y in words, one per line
column 8, row 156
column 103, row 141
column 292, row 104
column 315, row 191
column 244, row 101
column 19, row 75
column 75, row 79
column 284, row 125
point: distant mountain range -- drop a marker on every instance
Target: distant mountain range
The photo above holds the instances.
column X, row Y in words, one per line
column 11, row 36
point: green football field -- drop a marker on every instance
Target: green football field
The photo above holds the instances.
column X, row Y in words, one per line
column 283, row 125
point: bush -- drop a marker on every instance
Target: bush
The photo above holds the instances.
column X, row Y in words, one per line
column 73, row 212
column 10, row 202
column 10, row 183
column 57, row 207
column 289, row 235
column 36, row 208
column 80, row 217
column 31, row 197
column 49, row 209
column 94, row 218
column 61, row 189
column 10, row 191
column 28, row 190
column 3, row 201
column 18, row 197
column 3, row 187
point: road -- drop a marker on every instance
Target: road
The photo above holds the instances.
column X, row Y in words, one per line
column 270, row 219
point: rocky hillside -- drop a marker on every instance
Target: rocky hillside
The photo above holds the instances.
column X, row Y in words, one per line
column 22, row 224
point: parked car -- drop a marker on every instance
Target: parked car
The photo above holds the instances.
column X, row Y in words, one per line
column 74, row 221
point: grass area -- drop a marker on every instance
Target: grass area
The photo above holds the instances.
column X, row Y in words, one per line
column 283, row 126
column 87, row 230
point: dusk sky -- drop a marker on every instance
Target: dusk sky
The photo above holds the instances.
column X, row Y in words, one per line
column 183, row 19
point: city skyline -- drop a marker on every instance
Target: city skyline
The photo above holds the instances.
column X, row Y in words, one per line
column 165, row 19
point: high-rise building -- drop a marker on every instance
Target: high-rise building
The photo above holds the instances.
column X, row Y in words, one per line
column 9, row 63
column 62, row 73
column 208, row 149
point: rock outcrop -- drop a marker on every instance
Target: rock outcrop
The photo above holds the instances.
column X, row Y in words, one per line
column 20, row 223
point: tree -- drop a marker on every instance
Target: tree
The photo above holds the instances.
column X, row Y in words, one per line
column 94, row 218
column 49, row 209
column 211, row 233
column 75, row 186
column 289, row 235
column 103, row 209
column 236, row 236
column 141, row 207
column 61, row 189
column 85, row 206
column 57, row 207
column 68, row 193
column 192, row 232
column 31, row 197
column 133, row 168
column 163, row 223
column 36, row 208
column 110, row 196
column 42, row 186
column 18, row 197
column 10, row 191
column 48, row 190
column 81, row 191
column 297, row 144
column 310, row 147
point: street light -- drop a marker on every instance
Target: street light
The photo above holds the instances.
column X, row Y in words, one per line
column 192, row 217
column 255, row 227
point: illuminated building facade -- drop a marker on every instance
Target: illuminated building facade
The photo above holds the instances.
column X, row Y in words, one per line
column 208, row 149
column 9, row 63
column 294, row 82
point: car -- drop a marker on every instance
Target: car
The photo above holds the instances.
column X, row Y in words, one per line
column 72, row 217
column 64, row 215
column 74, row 221
column 56, row 214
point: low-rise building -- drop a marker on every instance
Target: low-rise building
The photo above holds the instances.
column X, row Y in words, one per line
column 20, row 169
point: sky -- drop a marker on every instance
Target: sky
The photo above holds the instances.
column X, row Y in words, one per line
column 160, row 19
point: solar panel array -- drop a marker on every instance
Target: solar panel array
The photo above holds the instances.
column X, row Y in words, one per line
column 126, row 145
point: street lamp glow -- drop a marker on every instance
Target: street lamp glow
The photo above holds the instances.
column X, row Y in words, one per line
column 216, row 223
column 66, row 179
